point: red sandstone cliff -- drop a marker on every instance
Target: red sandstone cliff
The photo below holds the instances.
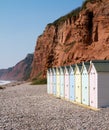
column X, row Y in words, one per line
column 81, row 35
column 21, row 71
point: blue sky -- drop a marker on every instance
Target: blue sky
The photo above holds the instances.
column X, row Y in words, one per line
column 22, row 21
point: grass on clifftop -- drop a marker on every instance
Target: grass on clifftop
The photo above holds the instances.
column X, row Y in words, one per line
column 74, row 13
column 39, row 81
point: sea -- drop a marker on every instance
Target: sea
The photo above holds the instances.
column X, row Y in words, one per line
column 3, row 82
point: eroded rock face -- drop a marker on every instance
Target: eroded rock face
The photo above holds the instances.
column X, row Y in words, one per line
column 77, row 39
column 21, row 71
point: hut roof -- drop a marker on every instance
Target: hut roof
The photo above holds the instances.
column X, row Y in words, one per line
column 79, row 66
column 101, row 67
column 67, row 68
column 87, row 65
column 62, row 68
column 72, row 67
column 54, row 69
column 100, row 61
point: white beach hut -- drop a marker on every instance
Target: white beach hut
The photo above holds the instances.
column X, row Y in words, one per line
column 85, row 83
column 99, row 83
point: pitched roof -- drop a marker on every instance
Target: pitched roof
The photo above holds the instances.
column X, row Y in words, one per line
column 102, row 67
column 58, row 69
column 54, row 69
column 87, row 65
column 100, row 61
column 62, row 68
column 73, row 66
column 79, row 66
column 67, row 68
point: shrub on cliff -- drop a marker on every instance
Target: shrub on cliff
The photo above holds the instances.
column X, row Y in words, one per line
column 73, row 13
column 91, row 1
column 39, row 81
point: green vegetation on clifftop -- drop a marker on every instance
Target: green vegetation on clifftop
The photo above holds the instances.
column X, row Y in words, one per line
column 73, row 14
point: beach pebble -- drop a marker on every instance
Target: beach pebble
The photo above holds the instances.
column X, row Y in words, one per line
column 27, row 107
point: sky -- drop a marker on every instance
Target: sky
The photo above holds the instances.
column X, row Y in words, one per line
column 22, row 21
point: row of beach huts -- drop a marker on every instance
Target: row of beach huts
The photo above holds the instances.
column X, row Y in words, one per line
column 85, row 83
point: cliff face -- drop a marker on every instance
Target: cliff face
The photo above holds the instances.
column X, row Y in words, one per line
column 21, row 71
column 76, row 37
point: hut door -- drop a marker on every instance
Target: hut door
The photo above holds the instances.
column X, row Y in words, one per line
column 71, row 87
column 93, row 90
column 58, row 85
column 54, row 83
column 67, row 87
column 85, row 89
column 62, row 85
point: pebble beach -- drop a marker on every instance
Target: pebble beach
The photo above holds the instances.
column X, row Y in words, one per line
column 27, row 107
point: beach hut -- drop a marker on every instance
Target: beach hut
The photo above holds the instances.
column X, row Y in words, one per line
column 78, row 86
column 72, row 89
column 48, row 81
column 58, row 82
column 67, row 85
column 54, row 80
column 85, row 83
column 51, row 80
column 99, row 84
column 62, row 80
